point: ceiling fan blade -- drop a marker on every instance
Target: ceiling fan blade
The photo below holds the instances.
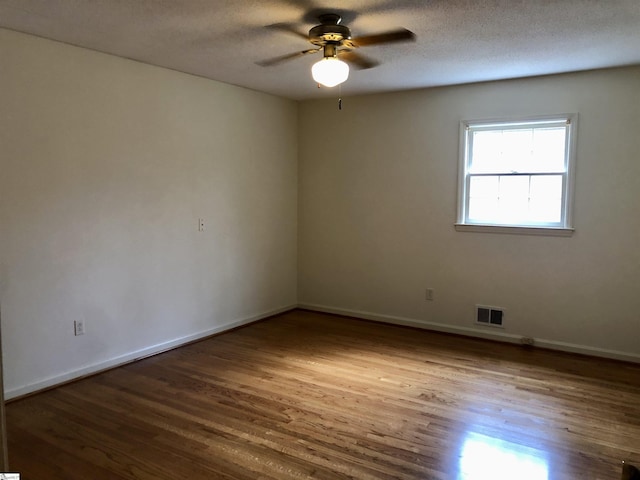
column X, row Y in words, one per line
column 288, row 28
column 400, row 35
column 359, row 61
column 283, row 58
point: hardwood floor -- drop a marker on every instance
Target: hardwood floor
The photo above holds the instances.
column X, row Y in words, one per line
column 307, row 395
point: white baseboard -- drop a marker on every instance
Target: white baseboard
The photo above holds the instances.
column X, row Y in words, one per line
column 471, row 332
column 137, row 355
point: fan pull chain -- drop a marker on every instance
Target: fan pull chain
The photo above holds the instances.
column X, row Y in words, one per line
column 340, row 97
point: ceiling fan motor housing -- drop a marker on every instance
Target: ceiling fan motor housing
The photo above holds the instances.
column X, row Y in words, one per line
column 330, row 31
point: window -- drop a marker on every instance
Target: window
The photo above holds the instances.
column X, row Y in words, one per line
column 517, row 175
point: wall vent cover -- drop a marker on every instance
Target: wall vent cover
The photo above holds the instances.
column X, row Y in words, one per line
column 492, row 316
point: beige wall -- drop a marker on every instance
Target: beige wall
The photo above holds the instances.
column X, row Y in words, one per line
column 106, row 165
column 378, row 195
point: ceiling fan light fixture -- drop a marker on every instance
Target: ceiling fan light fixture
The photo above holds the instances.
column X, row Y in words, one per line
column 330, row 71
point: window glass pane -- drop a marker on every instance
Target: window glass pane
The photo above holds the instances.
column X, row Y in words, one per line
column 483, row 198
column 483, row 209
column 518, row 149
column 548, row 150
column 484, row 187
column 513, row 210
column 514, row 188
column 487, row 152
column 514, row 199
column 545, row 210
column 545, row 203
column 546, row 186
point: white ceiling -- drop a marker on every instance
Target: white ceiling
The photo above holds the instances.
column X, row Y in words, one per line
column 458, row 41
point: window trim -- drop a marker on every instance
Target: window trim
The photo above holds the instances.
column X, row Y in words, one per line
column 566, row 227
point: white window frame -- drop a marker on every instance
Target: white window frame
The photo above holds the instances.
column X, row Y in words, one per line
column 562, row 228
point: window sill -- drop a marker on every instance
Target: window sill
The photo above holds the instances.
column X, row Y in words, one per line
column 546, row 231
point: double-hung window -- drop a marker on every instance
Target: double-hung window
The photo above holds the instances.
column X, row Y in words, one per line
column 517, row 174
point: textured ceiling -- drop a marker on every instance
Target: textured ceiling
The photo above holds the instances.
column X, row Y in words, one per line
column 458, row 41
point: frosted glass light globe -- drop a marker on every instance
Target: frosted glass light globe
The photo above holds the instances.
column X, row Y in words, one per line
column 330, row 71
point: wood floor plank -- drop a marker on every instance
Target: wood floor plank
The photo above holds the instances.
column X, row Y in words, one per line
column 306, row 395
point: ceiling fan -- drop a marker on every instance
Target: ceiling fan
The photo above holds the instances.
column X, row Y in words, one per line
column 335, row 42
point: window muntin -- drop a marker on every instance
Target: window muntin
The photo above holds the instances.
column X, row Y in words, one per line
column 516, row 173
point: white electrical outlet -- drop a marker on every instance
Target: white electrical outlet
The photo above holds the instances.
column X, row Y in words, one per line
column 78, row 327
column 201, row 224
column 429, row 294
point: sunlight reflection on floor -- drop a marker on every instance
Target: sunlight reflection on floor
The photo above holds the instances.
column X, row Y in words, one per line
column 488, row 458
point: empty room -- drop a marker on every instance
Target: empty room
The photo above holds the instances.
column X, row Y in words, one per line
column 290, row 239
